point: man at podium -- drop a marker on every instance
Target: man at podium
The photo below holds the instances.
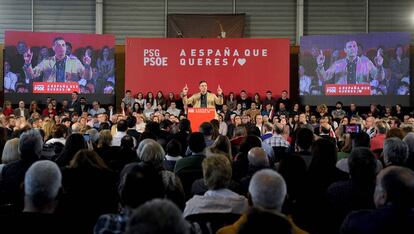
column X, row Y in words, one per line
column 203, row 99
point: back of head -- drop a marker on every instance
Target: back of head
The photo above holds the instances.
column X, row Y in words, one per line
column 11, row 151
column 165, row 124
column 257, row 157
column 382, row 127
column 362, row 165
column 304, row 138
column 217, row 171
column 121, row 126
column 196, row 142
column 184, row 125
column 134, row 178
column 395, row 132
column 151, row 152
column 105, row 138
column 42, row 183
column 240, row 131
column 74, row 143
column 253, row 130
column 268, row 127
column 30, row 145
column 87, row 159
column 409, row 140
column 94, row 135
column 395, row 152
column 222, row 144
column 127, row 142
column 250, row 142
column 267, row 189
column 361, row 139
column 173, row 148
column 131, row 121
column 397, row 184
column 206, row 129
column 59, row 131
column 153, row 127
column 157, row 217
column 324, row 155
column 264, row 222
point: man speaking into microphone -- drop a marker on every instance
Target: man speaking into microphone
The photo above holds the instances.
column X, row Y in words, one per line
column 203, row 98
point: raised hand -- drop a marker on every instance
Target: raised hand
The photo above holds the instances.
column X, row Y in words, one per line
column 379, row 60
column 219, row 90
column 320, row 60
column 86, row 59
column 185, row 90
column 28, row 55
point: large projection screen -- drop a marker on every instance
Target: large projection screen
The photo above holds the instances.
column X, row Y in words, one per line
column 358, row 68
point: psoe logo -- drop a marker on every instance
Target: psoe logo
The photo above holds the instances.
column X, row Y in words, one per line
column 331, row 90
column 39, row 87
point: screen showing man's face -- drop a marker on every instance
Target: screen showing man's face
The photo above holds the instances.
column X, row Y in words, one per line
column 59, row 48
column 351, row 49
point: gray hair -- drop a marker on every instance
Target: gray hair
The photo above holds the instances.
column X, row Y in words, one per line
column 150, row 151
column 94, row 135
column 31, row 142
column 395, row 151
column 11, row 151
column 157, row 216
column 258, row 157
column 268, row 189
column 42, row 182
column 409, row 140
column 76, row 127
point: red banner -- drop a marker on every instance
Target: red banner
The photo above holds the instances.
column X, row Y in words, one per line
column 256, row 65
column 55, row 87
column 347, row 90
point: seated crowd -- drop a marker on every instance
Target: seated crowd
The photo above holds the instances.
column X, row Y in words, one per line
column 263, row 166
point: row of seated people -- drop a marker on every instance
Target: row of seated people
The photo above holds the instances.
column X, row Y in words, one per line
column 92, row 165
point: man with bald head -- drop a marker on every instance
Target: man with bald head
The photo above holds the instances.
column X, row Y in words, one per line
column 393, row 197
column 257, row 157
column 267, row 192
column 258, row 160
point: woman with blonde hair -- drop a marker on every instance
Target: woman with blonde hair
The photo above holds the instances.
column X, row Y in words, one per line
column 48, row 127
column 322, row 109
column 222, row 146
column 10, row 153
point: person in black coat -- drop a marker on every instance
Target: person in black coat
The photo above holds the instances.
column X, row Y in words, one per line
column 393, row 198
column 75, row 105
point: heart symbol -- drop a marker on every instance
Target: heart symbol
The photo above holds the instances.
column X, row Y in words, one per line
column 241, row 61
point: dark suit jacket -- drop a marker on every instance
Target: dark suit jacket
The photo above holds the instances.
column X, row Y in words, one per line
column 17, row 113
column 75, row 107
column 385, row 220
column 189, row 169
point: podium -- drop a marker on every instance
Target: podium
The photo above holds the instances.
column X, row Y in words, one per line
column 197, row 116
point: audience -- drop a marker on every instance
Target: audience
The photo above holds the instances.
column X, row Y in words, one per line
column 94, row 150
